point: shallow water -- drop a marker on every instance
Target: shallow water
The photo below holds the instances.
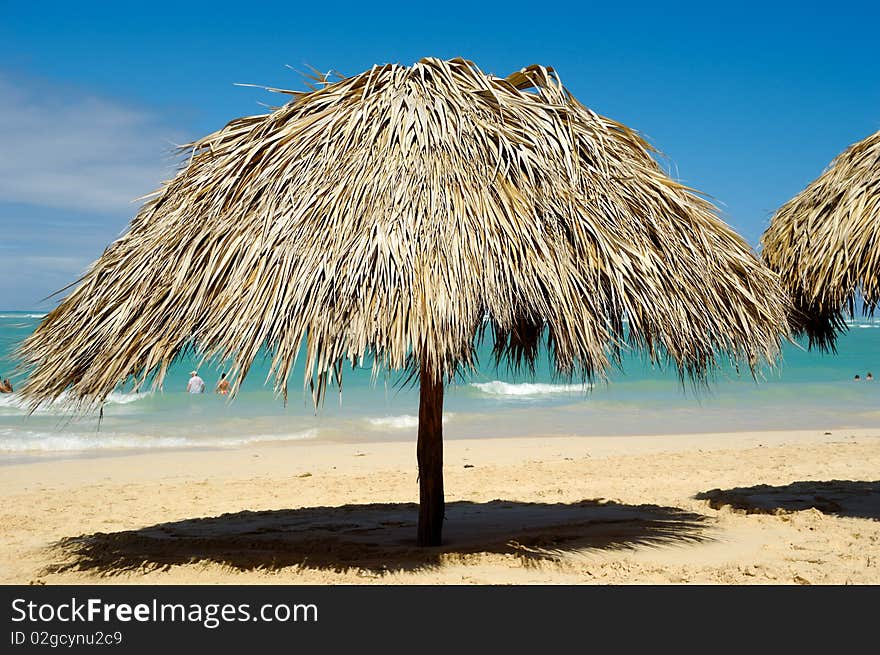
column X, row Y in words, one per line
column 807, row 390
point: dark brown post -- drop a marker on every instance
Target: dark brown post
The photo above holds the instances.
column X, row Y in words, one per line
column 430, row 454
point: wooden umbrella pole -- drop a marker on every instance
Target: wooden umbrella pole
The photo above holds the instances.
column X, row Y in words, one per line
column 432, row 506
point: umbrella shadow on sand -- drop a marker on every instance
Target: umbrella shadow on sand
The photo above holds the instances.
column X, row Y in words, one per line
column 379, row 537
column 840, row 497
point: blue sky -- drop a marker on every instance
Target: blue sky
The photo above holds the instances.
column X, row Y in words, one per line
column 748, row 103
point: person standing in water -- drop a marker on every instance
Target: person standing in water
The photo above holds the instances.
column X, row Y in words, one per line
column 195, row 384
column 223, row 386
column 5, row 386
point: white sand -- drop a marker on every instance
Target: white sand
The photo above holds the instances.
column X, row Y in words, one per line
column 575, row 510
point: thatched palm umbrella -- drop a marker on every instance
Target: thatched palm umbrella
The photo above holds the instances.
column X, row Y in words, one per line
column 825, row 243
column 387, row 215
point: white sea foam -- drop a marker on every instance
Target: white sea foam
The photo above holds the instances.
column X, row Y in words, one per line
column 394, row 422
column 21, row 441
column 22, row 315
column 64, row 402
column 402, row 422
column 499, row 388
column 117, row 398
column 863, row 322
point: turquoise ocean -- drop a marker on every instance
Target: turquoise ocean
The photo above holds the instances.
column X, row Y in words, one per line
column 808, row 390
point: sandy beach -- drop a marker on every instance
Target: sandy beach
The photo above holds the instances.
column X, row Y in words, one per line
column 742, row 508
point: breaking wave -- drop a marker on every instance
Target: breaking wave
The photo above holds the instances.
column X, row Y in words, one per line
column 23, row 441
column 63, row 404
column 402, row 422
column 498, row 388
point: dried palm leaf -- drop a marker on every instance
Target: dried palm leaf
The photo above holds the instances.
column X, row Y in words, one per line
column 825, row 244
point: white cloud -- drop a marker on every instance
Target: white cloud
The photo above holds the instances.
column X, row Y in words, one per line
column 70, row 150
column 72, row 166
column 37, row 277
column 68, row 265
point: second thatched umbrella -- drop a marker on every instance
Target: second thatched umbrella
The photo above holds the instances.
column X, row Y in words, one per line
column 825, row 243
column 389, row 215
